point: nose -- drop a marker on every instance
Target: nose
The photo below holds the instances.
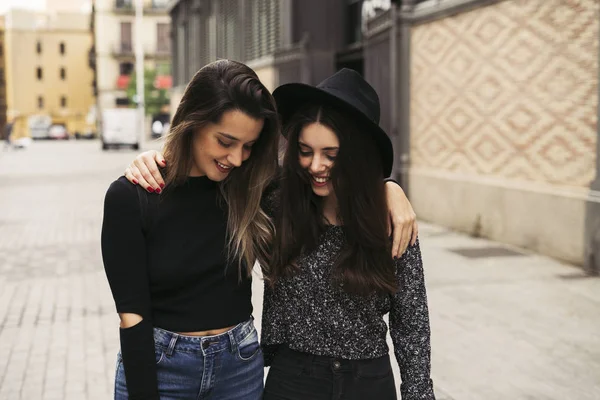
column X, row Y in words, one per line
column 317, row 165
column 236, row 157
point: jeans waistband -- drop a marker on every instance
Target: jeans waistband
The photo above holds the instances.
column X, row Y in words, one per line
column 171, row 341
column 314, row 359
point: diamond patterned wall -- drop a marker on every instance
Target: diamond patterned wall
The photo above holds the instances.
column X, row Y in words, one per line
column 509, row 90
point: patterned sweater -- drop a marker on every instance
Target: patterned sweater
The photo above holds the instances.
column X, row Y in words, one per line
column 309, row 314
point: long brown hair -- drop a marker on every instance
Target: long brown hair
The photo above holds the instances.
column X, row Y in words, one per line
column 219, row 87
column 364, row 265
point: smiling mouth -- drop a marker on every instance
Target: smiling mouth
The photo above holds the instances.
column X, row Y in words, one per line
column 222, row 167
column 319, row 181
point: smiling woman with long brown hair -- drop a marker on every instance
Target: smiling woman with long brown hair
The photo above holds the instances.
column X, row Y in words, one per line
column 179, row 265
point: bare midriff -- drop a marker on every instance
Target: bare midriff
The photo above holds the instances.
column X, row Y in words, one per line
column 211, row 332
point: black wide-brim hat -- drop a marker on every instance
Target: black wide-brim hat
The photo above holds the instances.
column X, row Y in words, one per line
column 345, row 90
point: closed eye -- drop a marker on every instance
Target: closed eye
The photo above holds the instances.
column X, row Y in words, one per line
column 222, row 143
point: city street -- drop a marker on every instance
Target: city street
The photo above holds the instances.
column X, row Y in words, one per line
column 506, row 324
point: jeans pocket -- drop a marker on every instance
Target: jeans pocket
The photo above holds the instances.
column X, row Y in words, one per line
column 248, row 348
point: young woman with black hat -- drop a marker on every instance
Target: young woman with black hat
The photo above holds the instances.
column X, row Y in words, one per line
column 179, row 264
column 331, row 278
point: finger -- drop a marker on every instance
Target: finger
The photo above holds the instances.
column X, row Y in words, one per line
column 130, row 176
column 397, row 239
column 148, row 160
column 137, row 175
column 406, row 235
column 415, row 233
column 389, row 226
column 161, row 162
column 151, row 184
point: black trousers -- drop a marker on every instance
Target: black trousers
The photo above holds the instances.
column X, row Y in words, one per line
column 301, row 376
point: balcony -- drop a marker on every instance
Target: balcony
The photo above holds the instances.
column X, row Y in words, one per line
column 123, row 50
column 123, row 7
column 151, row 7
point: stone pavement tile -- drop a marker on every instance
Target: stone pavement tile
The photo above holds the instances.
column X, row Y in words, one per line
column 54, row 395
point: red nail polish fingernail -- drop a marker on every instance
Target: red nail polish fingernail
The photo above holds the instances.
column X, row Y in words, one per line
column 162, row 185
column 164, row 162
column 135, row 181
column 150, row 189
column 157, row 191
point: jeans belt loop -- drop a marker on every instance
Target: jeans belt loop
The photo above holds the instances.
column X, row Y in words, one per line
column 172, row 343
column 233, row 342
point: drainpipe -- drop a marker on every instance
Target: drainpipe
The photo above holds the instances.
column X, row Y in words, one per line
column 592, row 218
column 394, row 85
column 401, row 60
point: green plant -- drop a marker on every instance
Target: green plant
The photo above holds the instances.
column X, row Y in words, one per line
column 154, row 98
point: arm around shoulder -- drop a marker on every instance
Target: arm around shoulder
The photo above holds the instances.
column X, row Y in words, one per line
column 409, row 327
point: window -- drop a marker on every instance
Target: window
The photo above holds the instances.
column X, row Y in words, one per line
column 125, row 68
column 39, row 47
column 126, row 37
column 123, row 3
column 62, row 47
column 354, row 21
column 39, row 73
column 63, row 73
column 163, row 40
column 40, row 102
column 63, row 101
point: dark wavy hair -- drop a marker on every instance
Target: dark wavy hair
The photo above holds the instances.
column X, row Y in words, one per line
column 364, row 265
column 219, row 87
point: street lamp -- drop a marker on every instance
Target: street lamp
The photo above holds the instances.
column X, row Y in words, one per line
column 139, row 66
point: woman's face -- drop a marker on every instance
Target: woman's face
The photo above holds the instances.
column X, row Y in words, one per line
column 318, row 147
column 219, row 148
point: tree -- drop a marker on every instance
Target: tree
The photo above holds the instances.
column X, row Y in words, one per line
column 154, row 98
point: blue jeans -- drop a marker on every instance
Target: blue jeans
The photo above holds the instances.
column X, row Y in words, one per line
column 225, row 366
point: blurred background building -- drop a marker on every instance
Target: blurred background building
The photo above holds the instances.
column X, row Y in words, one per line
column 114, row 24
column 492, row 105
column 48, row 83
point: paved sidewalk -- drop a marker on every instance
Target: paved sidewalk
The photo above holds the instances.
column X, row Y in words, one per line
column 505, row 326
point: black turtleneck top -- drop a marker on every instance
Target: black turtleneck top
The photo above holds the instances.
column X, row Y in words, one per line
column 173, row 272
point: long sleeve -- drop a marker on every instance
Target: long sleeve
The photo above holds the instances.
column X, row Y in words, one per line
column 124, row 256
column 409, row 327
column 272, row 326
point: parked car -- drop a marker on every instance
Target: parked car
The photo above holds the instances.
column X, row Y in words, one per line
column 58, row 132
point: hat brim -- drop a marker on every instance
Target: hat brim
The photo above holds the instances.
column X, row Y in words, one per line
column 290, row 97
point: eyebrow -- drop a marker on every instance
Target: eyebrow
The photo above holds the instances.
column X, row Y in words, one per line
column 324, row 148
column 228, row 136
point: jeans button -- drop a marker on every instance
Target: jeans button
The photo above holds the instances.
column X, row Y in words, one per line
column 336, row 365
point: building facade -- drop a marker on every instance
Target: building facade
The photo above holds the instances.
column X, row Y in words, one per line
column 492, row 105
column 48, row 80
column 114, row 55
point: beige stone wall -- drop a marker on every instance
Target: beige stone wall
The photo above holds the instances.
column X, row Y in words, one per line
column 509, row 91
column 503, row 122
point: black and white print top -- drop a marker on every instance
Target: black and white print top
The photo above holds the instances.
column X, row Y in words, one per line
column 308, row 313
